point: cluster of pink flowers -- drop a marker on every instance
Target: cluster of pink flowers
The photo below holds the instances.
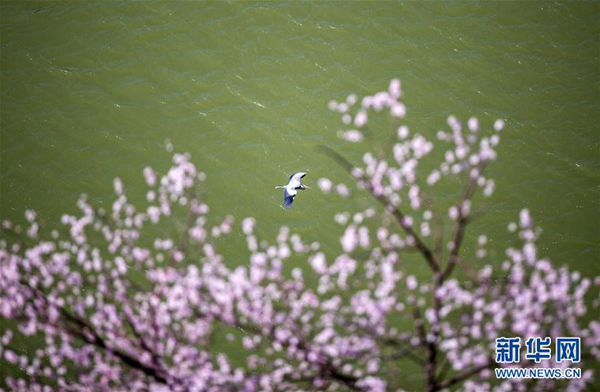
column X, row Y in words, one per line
column 382, row 100
column 114, row 306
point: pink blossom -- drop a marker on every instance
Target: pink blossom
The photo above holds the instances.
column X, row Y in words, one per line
column 453, row 213
column 394, row 88
column 154, row 213
column 360, row 119
column 473, row 124
column 149, row 176
column 425, row 229
column 380, row 100
column 499, row 125
column 248, row 225
column 341, row 219
column 489, row 188
column 342, row 190
column 403, row 132
column 118, row 185
column 352, row 136
column 433, row 177
column 411, row 282
column 398, row 110
column 351, row 99
column 525, row 218
column 349, row 240
column 30, row 215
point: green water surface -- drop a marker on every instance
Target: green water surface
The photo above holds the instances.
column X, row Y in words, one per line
column 91, row 90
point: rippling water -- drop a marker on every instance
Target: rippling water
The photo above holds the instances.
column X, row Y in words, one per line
column 91, row 91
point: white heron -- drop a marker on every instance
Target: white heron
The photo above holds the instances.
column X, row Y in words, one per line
column 291, row 189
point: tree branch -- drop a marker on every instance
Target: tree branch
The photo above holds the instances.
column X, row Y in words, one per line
column 462, row 376
column 461, row 223
column 92, row 337
column 383, row 200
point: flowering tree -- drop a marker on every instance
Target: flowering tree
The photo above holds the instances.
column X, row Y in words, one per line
column 110, row 306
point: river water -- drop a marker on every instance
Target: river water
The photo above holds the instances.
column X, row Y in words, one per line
column 90, row 91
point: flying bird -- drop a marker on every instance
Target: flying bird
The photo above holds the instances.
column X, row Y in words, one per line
column 291, row 189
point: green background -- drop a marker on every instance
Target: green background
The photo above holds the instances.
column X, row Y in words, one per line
column 91, row 90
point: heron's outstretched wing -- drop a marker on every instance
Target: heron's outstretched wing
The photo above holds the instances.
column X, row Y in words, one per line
column 288, row 197
column 295, row 179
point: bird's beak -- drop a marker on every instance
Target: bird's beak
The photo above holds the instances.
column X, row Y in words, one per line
column 306, row 186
